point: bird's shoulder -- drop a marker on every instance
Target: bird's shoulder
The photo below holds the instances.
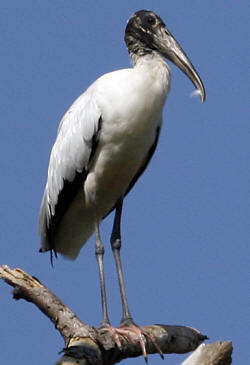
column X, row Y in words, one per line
column 88, row 106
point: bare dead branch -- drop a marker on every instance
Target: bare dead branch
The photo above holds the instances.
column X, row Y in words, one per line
column 30, row 288
column 87, row 345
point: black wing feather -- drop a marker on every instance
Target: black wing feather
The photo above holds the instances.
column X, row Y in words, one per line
column 70, row 190
column 142, row 168
column 146, row 162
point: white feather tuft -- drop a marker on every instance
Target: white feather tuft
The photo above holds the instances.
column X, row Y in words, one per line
column 196, row 92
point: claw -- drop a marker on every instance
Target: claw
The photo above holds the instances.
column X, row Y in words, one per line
column 141, row 334
column 114, row 334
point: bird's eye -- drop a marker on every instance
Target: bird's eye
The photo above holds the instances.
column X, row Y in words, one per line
column 151, row 20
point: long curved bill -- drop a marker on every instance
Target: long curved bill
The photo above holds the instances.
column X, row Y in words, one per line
column 170, row 48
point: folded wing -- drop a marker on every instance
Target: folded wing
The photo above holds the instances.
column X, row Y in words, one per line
column 68, row 165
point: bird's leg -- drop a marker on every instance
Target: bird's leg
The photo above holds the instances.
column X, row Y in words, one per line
column 116, row 246
column 127, row 324
column 99, row 252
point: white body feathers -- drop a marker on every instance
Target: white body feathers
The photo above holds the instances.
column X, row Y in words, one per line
column 129, row 103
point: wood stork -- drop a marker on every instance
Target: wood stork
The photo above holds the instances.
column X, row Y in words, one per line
column 104, row 143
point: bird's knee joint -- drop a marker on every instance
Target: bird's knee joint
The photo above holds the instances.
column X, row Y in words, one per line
column 116, row 244
column 99, row 249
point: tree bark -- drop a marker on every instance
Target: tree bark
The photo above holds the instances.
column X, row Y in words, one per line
column 86, row 345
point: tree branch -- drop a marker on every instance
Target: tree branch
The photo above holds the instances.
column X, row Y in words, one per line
column 217, row 353
column 87, row 345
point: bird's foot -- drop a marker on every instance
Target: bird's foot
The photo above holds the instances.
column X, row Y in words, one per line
column 141, row 334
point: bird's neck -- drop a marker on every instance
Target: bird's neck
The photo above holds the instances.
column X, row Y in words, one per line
column 140, row 56
column 153, row 65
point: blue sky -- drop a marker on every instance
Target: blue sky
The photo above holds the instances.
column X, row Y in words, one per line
column 185, row 234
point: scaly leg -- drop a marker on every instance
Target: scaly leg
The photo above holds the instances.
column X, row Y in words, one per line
column 99, row 251
column 127, row 324
column 116, row 246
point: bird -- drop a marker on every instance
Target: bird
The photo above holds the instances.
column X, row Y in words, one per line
column 104, row 143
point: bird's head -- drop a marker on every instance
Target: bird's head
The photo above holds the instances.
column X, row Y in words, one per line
column 146, row 33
